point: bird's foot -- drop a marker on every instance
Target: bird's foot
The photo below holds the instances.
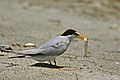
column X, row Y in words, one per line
column 52, row 64
column 85, row 56
column 55, row 63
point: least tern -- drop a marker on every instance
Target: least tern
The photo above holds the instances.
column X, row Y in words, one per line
column 53, row 48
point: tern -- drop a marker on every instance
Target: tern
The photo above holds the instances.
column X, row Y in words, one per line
column 52, row 48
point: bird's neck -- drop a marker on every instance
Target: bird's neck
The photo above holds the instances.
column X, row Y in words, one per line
column 71, row 37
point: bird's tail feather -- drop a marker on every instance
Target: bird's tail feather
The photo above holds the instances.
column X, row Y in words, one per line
column 21, row 56
column 18, row 53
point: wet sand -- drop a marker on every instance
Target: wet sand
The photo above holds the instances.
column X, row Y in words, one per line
column 36, row 21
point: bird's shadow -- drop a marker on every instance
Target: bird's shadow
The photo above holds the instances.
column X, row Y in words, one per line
column 46, row 65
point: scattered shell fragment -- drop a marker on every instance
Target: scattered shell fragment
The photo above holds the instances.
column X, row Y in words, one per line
column 5, row 48
column 29, row 45
column 16, row 44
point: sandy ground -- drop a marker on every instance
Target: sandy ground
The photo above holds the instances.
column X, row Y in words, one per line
column 37, row 21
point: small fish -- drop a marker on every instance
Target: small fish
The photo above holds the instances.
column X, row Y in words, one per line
column 85, row 48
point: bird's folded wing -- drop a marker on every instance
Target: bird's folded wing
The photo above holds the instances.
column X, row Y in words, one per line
column 50, row 51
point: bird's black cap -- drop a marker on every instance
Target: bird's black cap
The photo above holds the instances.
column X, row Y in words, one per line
column 68, row 32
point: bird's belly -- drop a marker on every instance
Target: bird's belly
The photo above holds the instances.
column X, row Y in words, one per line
column 44, row 58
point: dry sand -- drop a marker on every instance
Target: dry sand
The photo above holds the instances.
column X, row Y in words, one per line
column 37, row 21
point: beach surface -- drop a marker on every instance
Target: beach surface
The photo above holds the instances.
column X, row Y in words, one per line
column 37, row 21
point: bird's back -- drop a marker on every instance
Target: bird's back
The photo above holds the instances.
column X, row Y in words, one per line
column 55, row 41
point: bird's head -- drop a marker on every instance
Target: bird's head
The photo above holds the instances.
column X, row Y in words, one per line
column 77, row 34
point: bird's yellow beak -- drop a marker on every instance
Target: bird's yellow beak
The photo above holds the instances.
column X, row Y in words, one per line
column 83, row 37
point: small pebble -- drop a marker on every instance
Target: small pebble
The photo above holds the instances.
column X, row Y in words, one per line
column 81, row 68
column 117, row 63
column 84, row 65
column 90, row 71
column 114, row 26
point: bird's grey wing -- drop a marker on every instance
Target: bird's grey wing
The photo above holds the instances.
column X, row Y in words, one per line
column 56, row 45
column 53, row 50
column 52, row 42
